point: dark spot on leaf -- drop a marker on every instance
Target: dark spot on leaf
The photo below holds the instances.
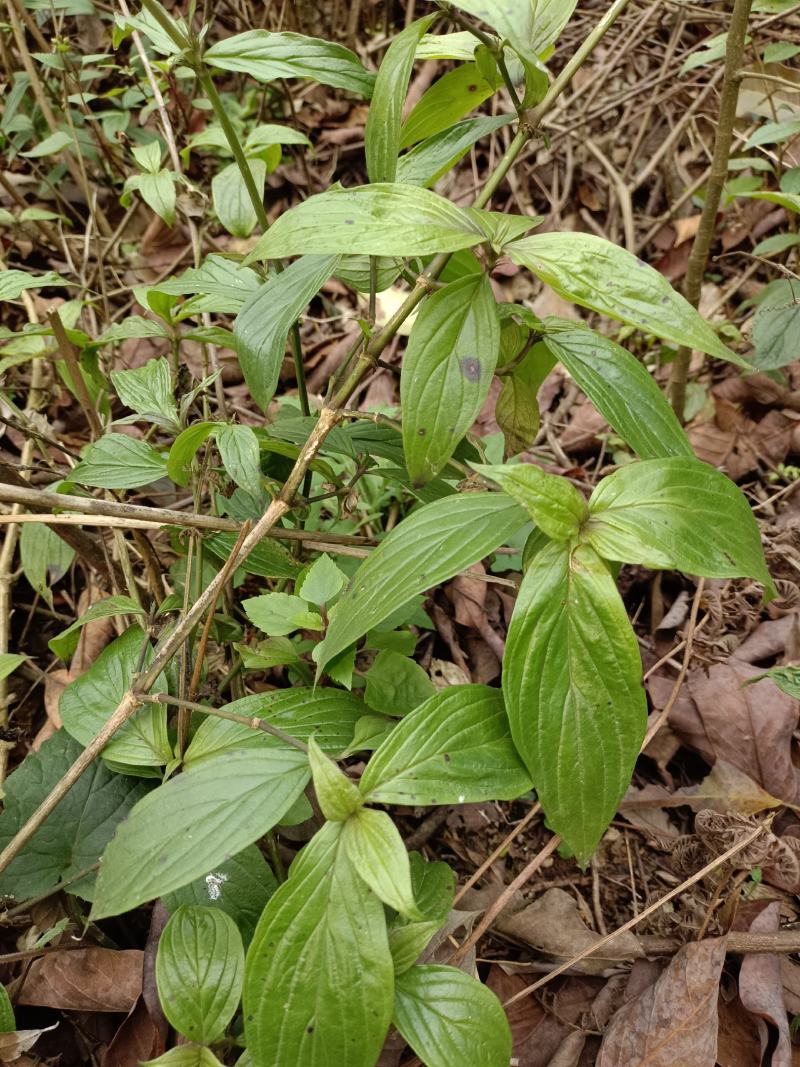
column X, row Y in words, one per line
column 421, row 431
column 349, row 222
column 309, row 1029
column 471, row 368
column 471, row 88
column 447, row 757
column 664, row 299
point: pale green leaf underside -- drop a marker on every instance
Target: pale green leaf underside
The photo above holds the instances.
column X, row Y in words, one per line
column 573, row 690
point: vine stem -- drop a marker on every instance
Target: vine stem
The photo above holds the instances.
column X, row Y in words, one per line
column 330, row 416
column 698, row 258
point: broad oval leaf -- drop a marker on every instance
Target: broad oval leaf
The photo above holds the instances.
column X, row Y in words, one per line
column 263, row 324
column 116, row 461
column 386, row 219
column 677, row 513
column 530, row 25
column 382, row 132
column 199, row 971
column 448, row 1018
column 73, row 837
column 430, row 545
column 376, row 850
column 268, row 56
column 319, row 980
column 447, row 370
column 572, row 680
column 597, row 274
column 449, row 99
column 620, row 387
column 231, row 198
column 192, row 822
column 330, row 715
column 89, row 700
column 455, row 748
column 553, row 502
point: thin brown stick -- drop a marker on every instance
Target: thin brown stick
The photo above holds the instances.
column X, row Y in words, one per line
column 501, row 848
column 251, row 721
column 69, row 353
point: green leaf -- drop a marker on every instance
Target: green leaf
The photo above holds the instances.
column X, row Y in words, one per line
column 596, row 274
column 184, row 449
column 56, row 142
column 773, row 133
column 530, row 26
column 321, row 953
column 269, row 558
column 89, row 699
column 433, row 885
column 677, row 513
column 117, row 461
column 321, row 582
column 195, row 821
column 396, row 684
column 330, row 715
column 447, row 370
column 436, row 155
column 269, row 133
column 199, row 971
column 268, row 56
column 241, row 456
column 449, row 99
column 621, row 389
column 448, row 1017
column 221, row 285
column 158, row 192
column 64, row 644
column 185, row 1056
column 7, row 1021
column 338, row 797
column 280, row 613
column 382, row 133
column 453, row 749
column 263, row 324
column 573, row 690
column 554, row 504
column 147, row 390
column 374, row 220
column 9, row 661
column 44, row 556
column 786, row 679
column 432, row 544
column 778, row 242
column 13, row 283
column 375, row 848
column 148, row 156
column 774, row 329
column 239, row 886
column 74, row 835
column 231, row 199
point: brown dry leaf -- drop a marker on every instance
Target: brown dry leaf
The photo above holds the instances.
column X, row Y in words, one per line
column 685, row 228
column 570, row 1052
column 90, row 979
column 469, row 598
column 749, row 726
column 790, row 976
column 13, row 1044
column 552, row 925
column 137, row 1039
column 674, row 1021
column 727, row 788
column 737, row 1038
column 761, row 991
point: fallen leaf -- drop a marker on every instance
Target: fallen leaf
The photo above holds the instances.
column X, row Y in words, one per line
column 737, row 1039
column 90, row 979
column 761, row 991
column 138, row 1038
column 14, row 1043
column 675, row 1020
column 570, row 1052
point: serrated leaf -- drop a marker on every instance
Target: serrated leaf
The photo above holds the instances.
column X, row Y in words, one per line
column 330, row 715
column 621, row 389
column 447, row 370
column 89, row 699
column 338, row 797
column 147, row 390
column 268, row 56
column 597, row 274
column 677, row 513
column 232, row 203
column 73, row 837
column 117, row 461
column 448, row 1017
column 281, row 613
column 199, row 971
column 321, row 953
column 239, row 886
column 573, row 690
column 432, row 544
column 382, row 132
column 454, row 749
column 263, row 324
column 376, row 850
column 195, row 821
column 385, row 219
column 553, row 502
column 436, row 155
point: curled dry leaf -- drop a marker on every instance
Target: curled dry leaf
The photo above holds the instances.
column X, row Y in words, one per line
column 675, row 1020
column 761, row 991
column 90, row 979
column 16, row 1042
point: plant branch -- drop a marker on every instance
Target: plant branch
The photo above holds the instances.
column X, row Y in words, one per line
column 698, row 258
